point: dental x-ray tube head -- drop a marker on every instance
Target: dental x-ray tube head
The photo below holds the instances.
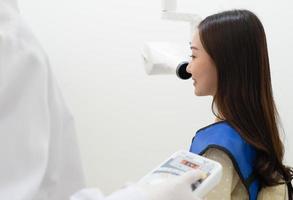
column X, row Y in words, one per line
column 166, row 58
column 181, row 71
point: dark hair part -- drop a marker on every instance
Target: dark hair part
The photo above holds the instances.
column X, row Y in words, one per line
column 236, row 42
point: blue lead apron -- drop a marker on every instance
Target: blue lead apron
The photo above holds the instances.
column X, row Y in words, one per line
column 224, row 137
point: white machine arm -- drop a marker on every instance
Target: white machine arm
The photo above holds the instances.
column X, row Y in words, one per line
column 169, row 12
column 166, row 57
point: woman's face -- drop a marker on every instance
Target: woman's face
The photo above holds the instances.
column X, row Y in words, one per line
column 202, row 69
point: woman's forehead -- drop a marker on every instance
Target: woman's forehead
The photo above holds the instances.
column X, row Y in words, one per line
column 196, row 43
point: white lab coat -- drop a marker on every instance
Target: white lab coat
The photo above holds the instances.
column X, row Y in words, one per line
column 39, row 159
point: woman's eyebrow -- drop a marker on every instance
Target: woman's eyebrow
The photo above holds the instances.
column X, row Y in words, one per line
column 193, row 47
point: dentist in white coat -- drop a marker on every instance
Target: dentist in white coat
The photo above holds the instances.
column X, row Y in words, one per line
column 39, row 158
column 38, row 150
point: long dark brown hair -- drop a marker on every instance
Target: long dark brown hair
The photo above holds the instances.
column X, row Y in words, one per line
column 236, row 42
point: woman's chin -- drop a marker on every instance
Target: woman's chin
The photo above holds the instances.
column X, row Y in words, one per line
column 199, row 93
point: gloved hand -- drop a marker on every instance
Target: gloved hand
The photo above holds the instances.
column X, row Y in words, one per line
column 175, row 188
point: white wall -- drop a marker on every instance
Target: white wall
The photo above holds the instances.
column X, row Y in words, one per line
column 128, row 122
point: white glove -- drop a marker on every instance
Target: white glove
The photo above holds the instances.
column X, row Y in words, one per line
column 175, row 188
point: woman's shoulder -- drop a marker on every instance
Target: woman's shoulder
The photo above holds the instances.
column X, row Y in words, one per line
column 215, row 125
column 222, row 134
column 219, row 156
column 219, row 129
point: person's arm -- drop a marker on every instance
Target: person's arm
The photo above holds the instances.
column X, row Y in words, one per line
column 175, row 188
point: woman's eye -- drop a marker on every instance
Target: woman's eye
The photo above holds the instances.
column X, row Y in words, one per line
column 192, row 56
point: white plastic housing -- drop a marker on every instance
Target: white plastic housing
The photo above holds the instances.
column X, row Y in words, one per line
column 164, row 57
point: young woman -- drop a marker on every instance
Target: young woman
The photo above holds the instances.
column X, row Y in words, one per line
column 230, row 62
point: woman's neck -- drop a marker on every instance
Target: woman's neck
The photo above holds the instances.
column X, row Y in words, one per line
column 219, row 120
